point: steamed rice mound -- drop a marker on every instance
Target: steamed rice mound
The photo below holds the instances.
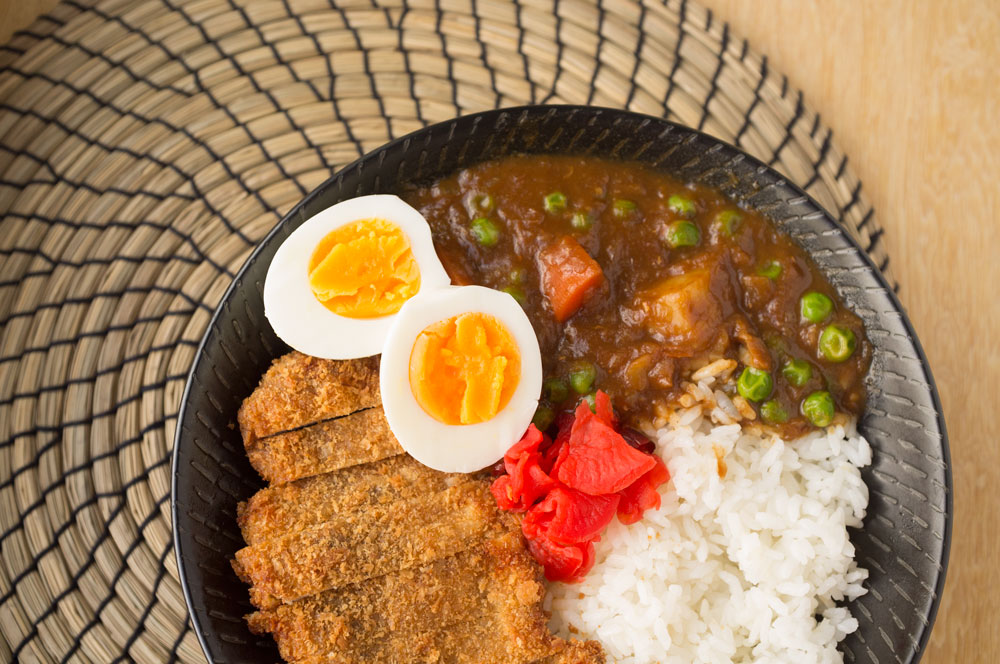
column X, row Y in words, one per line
column 745, row 568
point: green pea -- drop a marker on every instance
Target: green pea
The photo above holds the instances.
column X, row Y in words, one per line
column 837, row 343
column 623, row 208
column 681, row 205
column 754, row 384
column 729, row 221
column 481, row 201
column 815, row 307
column 484, row 231
column 515, row 292
column 591, row 400
column 544, row 416
column 771, row 270
column 582, row 221
column 818, row 408
column 797, row 372
column 556, row 390
column 683, row 234
column 772, row 412
column 582, row 377
column 555, row 202
column 518, row 275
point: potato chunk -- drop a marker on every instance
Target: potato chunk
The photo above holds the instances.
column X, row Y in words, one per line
column 682, row 312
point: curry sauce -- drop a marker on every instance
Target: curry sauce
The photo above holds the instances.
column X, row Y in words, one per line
column 634, row 280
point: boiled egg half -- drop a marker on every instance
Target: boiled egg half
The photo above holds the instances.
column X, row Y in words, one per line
column 460, row 376
column 338, row 281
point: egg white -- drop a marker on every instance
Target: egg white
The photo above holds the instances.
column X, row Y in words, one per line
column 460, row 448
column 301, row 320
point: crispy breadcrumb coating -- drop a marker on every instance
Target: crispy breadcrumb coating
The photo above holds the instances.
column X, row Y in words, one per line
column 298, row 390
column 372, row 541
column 576, row 652
column 289, row 508
column 361, row 437
column 489, row 595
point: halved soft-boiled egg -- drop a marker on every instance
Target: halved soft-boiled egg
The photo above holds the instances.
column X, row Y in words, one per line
column 336, row 283
column 460, row 377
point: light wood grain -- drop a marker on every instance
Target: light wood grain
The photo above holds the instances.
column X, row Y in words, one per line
column 18, row 14
column 912, row 92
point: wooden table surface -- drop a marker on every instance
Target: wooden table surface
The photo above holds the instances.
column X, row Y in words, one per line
column 912, row 93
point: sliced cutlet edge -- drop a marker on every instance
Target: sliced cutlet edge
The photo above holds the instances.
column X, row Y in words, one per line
column 371, row 541
column 361, row 437
column 289, row 508
column 299, row 390
column 488, row 596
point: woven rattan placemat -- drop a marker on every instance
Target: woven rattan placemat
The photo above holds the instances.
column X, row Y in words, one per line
column 147, row 145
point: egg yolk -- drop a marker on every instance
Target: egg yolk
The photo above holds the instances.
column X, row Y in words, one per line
column 364, row 270
column 464, row 370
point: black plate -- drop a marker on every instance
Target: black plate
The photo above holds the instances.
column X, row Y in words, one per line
column 905, row 539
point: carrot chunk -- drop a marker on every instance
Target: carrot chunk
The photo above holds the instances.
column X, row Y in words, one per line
column 569, row 276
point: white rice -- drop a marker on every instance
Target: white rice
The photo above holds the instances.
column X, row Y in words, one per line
column 748, row 568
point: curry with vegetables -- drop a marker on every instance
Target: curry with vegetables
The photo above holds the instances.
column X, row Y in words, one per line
column 633, row 280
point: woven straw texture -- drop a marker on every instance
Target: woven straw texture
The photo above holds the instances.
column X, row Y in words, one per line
column 147, row 145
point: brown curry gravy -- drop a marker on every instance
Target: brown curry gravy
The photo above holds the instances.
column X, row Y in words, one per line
column 641, row 362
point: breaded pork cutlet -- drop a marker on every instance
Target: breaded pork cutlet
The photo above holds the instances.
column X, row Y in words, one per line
column 289, row 508
column 357, row 553
column 489, row 596
column 361, row 437
column 298, row 390
column 371, row 541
